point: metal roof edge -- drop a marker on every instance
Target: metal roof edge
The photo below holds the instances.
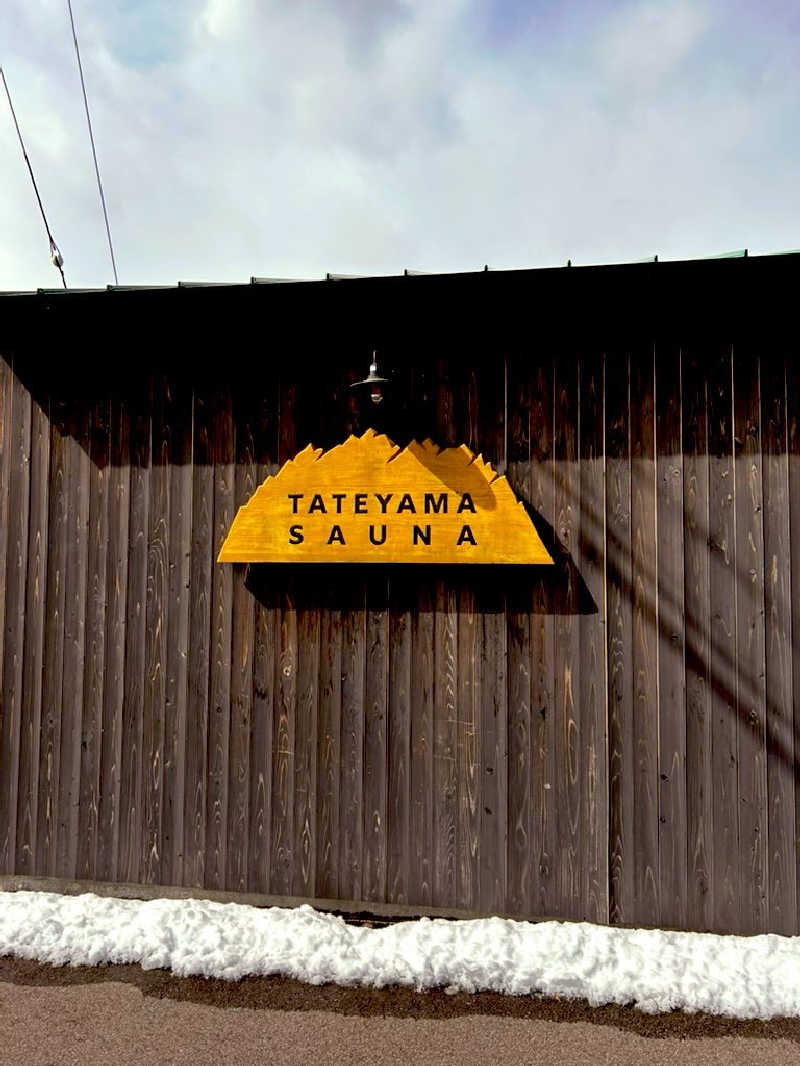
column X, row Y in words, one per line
column 740, row 254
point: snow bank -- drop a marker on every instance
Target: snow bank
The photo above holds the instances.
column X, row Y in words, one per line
column 743, row 977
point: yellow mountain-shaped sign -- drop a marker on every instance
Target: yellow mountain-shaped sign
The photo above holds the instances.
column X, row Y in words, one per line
column 369, row 501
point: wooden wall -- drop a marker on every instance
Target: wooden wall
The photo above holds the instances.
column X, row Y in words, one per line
column 610, row 740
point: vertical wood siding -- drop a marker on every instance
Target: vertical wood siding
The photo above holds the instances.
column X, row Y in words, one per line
column 612, row 739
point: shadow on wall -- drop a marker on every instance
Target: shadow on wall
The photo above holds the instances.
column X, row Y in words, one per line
column 547, row 590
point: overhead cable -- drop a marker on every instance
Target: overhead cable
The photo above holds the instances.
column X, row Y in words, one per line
column 56, row 257
column 91, row 141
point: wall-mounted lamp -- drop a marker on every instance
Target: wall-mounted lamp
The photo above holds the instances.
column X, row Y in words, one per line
column 373, row 382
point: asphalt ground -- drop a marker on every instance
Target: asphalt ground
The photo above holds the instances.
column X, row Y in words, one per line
column 59, row 1016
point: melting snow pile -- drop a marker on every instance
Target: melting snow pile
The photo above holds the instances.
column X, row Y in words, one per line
column 743, row 977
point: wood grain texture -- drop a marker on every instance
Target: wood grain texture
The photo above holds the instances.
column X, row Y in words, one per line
column 130, row 801
column 304, row 845
column 77, row 495
column 351, row 788
column 592, row 622
column 119, row 490
column 420, row 880
column 536, row 742
column 266, row 636
column 566, row 648
column 243, row 636
column 646, row 900
column 283, row 757
column 697, row 615
column 398, row 859
column 672, row 721
column 779, row 689
column 156, row 633
column 18, row 428
column 6, row 449
column 95, row 654
column 750, row 645
column 525, row 838
column 468, row 747
column 722, row 580
column 35, row 604
column 445, row 739
column 793, row 443
column 540, row 604
column 619, row 591
column 179, row 594
column 329, row 743
column 283, row 728
column 493, row 803
column 376, row 713
column 266, row 630
column 199, row 650
column 53, row 656
column 219, row 714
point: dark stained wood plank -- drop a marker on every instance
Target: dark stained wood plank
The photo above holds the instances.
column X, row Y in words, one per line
column 619, row 589
column 672, row 843
column 94, row 663
column 644, row 649
column 285, row 703
column 543, row 822
column 445, row 739
column 221, row 625
column 283, row 757
column 305, row 739
column 493, row 849
column 6, row 442
column 179, row 594
column 77, row 495
column 420, row 879
column 399, row 740
column 53, row 672
column 566, row 646
column 481, row 425
column 329, row 742
column 793, row 434
column 199, row 655
column 525, row 837
column 157, row 636
column 130, row 799
column 35, row 595
column 591, row 624
column 722, row 580
column 481, row 699
column 266, row 638
column 751, row 694
column 119, row 490
column 19, row 430
column 697, row 606
column 351, row 790
column 468, row 746
column 781, row 825
column 243, row 636
column 376, row 711
column 448, row 377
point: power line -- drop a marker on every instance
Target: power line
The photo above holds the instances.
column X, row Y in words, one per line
column 56, row 257
column 91, row 140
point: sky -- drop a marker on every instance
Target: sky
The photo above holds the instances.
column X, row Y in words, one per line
column 288, row 138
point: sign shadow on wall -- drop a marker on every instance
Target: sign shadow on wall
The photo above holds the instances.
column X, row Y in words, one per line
column 558, row 589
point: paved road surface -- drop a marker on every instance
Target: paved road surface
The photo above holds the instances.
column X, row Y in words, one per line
column 121, row 1015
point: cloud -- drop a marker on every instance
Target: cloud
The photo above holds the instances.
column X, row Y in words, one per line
column 238, row 137
column 645, row 42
